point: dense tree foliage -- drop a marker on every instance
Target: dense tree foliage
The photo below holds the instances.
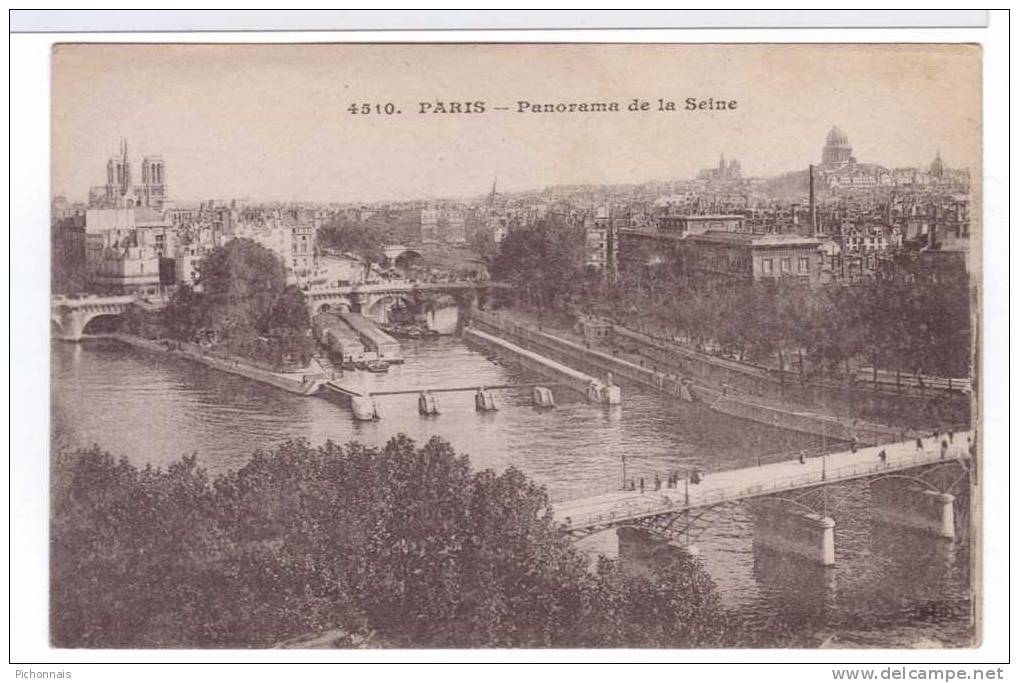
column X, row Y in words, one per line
column 896, row 324
column 67, row 257
column 545, row 261
column 903, row 323
column 246, row 301
column 361, row 239
column 398, row 546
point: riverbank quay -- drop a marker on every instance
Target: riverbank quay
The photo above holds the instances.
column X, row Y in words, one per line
column 560, row 373
column 683, row 385
column 863, row 399
column 303, row 383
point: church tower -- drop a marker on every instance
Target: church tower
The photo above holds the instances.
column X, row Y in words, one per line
column 118, row 175
column 153, row 187
column 937, row 168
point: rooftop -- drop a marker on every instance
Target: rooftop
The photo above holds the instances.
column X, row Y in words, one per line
column 770, row 240
column 707, row 216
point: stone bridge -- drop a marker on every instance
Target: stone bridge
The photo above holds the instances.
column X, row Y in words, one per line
column 395, row 251
column 372, row 299
column 70, row 317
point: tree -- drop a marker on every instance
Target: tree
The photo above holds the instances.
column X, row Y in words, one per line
column 244, row 298
column 404, row 545
column 185, row 314
column 545, row 261
column 289, row 312
column 360, row 239
column 241, row 280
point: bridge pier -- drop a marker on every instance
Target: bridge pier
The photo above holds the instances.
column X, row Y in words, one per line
column 68, row 327
column 914, row 506
column 795, row 531
column 364, row 408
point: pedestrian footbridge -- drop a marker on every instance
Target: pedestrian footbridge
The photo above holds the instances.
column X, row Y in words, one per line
column 784, row 517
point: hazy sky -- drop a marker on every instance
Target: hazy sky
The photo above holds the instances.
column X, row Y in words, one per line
column 271, row 121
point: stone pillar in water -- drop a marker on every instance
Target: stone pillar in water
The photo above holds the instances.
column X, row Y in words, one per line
column 912, row 505
column 363, row 408
column 784, row 528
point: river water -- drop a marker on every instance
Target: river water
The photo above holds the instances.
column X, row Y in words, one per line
column 890, row 587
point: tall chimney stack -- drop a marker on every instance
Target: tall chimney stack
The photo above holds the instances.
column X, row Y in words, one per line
column 813, row 208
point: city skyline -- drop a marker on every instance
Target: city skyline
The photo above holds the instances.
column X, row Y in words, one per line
column 292, row 100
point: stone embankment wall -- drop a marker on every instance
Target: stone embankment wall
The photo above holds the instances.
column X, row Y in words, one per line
column 683, row 385
column 559, row 373
column 295, row 383
column 865, row 401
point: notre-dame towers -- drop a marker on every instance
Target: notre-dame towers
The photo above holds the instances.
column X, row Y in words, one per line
column 119, row 191
column 153, row 188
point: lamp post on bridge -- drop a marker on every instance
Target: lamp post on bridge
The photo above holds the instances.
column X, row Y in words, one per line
column 623, row 458
column 824, row 450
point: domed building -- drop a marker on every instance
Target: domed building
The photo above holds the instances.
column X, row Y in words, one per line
column 840, row 169
column 837, row 151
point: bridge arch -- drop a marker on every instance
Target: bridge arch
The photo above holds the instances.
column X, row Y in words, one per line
column 688, row 519
column 394, row 252
column 407, row 257
column 321, row 305
column 927, row 482
column 100, row 321
column 379, row 307
column 787, row 501
column 324, row 306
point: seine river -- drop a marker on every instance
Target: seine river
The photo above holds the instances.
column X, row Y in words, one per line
column 890, row 587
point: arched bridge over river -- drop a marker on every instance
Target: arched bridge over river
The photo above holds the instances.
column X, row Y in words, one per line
column 69, row 316
column 367, row 297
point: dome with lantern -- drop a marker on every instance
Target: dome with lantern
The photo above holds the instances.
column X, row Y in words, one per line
column 836, row 150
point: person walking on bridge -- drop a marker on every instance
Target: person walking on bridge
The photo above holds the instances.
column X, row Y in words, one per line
column 642, row 484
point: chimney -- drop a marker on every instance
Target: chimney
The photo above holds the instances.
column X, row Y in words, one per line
column 813, row 210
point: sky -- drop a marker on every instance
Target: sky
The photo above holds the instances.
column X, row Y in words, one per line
column 270, row 122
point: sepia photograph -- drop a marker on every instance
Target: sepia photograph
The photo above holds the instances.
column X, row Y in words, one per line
column 492, row 345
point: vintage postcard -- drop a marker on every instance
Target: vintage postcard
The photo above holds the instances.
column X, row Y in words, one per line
column 515, row 346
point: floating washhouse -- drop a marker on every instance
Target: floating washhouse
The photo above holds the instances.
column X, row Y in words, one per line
column 374, row 339
column 342, row 342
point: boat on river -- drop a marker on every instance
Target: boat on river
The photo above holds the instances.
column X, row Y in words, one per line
column 378, row 366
